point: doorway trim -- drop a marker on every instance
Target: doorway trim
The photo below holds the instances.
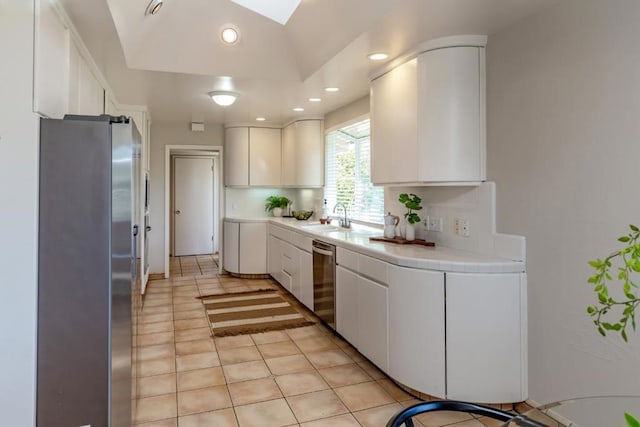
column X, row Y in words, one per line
column 219, row 172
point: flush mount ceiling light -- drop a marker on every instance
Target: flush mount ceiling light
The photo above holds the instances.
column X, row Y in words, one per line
column 331, row 89
column 315, row 99
column 154, row 7
column 229, row 34
column 279, row 11
column 298, row 109
column 260, row 119
column 378, row 56
column 223, row 98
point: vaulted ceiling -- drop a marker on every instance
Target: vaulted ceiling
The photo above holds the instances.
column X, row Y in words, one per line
column 169, row 61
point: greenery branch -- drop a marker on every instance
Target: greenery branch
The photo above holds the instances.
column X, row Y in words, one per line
column 629, row 260
column 412, row 203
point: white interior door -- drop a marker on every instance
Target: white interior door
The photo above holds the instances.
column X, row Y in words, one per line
column 193, row 206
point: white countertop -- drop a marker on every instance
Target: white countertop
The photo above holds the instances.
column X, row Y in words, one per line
column 433, row 258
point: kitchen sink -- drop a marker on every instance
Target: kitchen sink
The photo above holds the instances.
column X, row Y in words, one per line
column 320, row 227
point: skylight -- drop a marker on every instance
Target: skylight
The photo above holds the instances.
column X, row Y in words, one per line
column 277, row 10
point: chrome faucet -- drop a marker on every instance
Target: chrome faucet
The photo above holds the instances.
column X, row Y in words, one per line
column 344, row 222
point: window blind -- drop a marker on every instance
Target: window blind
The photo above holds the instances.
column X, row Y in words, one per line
column 348, row 173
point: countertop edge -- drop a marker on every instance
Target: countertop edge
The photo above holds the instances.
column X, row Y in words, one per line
column 478, row 264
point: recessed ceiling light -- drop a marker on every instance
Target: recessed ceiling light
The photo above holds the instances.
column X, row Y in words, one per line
column 260, row 119
column 223, row 98
column 378, row 56
column 331, row 89
column 229, row 34
column 154, row 7
column 298, row 109
column 315, row 99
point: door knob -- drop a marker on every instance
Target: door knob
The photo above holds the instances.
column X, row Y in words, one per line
column 178, row 212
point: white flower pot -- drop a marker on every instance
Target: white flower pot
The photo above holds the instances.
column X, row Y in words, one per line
column 277, row 211
column 410, row 232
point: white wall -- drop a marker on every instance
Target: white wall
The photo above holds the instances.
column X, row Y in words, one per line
column 18, row 215
column 163, row 134
column 346, row 113
column 563, row 147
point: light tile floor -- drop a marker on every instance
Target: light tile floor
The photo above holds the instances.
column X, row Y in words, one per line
column 298, row 377
column 197, row 265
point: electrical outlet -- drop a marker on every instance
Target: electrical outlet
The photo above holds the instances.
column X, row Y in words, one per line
column 461, row 227
column 465, row 228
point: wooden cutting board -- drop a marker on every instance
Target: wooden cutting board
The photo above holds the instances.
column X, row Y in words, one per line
column 401, row 241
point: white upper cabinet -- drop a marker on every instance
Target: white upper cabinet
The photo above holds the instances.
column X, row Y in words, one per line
column 451, row 115
column 394, row 131
column 90, row 91
column 428, row 118
column 289, row 169
column 236, row 157
column 253, row 157
column 265, row 156
column 64, row 81
column 52, row 46
column 303, row 154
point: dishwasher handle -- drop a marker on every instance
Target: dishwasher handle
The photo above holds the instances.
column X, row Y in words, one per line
column 322, row 251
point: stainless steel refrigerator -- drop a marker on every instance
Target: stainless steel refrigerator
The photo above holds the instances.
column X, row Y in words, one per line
column 86, row 269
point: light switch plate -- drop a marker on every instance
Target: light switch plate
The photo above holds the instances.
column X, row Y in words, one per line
column 434, row 223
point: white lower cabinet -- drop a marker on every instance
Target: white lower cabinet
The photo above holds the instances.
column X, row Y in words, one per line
column 458, row 336
column 253, row 248
column 231, row 247
column 291, row 266
column 275, row 258
column 416, row 326
column 362, row 315
column 347, row 304
column 306, row 279
column 486, row 337
column 373, row 316
column 248, row 239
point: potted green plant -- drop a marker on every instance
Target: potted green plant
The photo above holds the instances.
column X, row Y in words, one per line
column 626, row 262
column 275, row 204
column 412, row 203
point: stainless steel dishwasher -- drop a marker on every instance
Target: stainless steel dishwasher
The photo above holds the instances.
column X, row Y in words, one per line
column 324, row 282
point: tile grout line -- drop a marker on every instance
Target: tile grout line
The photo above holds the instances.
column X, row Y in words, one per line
column 175, row 352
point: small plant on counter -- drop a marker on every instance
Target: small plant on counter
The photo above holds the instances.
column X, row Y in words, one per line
column 276, row 202
column 412, row 203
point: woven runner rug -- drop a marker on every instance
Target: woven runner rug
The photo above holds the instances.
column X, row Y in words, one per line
column 251, row 312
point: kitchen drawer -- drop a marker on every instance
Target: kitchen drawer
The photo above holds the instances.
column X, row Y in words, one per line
column 280, row 233
column 301, row 241
column 373, row 269
column 288, row 250
column 347, row 259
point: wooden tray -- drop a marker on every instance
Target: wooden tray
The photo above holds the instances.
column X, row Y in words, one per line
column 401, row 241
